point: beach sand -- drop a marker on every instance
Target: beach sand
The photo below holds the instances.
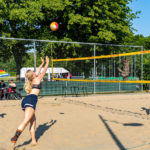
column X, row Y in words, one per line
column 93, row 122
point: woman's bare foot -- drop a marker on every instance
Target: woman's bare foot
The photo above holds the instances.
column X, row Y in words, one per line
column 13, row 146
column 33, row 143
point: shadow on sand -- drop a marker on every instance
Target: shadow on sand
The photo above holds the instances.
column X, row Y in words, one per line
column 147, row 110
column 2, row 115
column 114, row 137
column 41, row 129
column 133, row 124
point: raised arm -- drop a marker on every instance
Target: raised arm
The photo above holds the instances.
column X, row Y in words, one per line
column 40, row 76
column 40, row 67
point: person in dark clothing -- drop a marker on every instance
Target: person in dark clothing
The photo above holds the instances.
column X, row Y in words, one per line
column 2, row 88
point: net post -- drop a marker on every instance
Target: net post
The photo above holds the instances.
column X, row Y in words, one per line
column 66, row 92
column 142, row 68
column 119, row 74
column 94, row 68
column 34, row 56
column 52, row 69
column 51, row 76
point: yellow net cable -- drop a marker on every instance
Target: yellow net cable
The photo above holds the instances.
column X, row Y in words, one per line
column 112, row 81
column 104, row 56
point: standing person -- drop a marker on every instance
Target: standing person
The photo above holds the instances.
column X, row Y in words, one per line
column 2, row 84
column 32, row 87
column 2, row 89
column 148, row 88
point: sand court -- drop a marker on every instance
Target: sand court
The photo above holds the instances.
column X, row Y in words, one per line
column 95, row 122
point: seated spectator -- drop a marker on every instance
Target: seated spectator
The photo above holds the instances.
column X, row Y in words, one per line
column 11, row 86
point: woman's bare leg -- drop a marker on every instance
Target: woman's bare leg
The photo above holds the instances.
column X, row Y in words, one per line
column 28, row 114
column 32, row 130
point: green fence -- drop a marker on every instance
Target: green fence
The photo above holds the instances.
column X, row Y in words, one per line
column 76, row 88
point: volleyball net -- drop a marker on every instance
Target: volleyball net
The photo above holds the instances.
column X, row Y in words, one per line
column 114, row 68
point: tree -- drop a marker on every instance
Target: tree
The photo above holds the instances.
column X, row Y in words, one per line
column 140, row 40
column 79, row 20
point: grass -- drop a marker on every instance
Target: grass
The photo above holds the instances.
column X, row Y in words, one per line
column 8, row 78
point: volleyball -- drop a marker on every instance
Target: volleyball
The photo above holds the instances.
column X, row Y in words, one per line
column 54, row 26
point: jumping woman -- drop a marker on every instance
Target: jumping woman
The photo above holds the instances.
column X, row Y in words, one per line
column 32, row 87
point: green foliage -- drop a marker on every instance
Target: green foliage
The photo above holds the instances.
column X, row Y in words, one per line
column 140, row 40
column 12, row 74
column 100, row 21
column 88, row 21
column 147, row 42
column 8, row 64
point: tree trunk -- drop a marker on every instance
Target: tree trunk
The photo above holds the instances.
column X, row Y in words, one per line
column 18, row 61
column 126, row 69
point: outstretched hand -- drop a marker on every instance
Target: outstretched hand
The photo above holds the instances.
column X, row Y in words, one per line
column 47, row 59
column 42, row 60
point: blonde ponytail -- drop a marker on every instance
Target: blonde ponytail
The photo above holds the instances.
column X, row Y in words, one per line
column 28, row 83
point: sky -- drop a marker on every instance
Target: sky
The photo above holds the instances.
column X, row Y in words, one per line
column 141, row 24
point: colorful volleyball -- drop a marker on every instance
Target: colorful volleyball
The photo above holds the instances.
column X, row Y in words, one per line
column 54, row 26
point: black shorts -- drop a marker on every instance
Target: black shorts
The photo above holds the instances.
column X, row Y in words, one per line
column 29, row 101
